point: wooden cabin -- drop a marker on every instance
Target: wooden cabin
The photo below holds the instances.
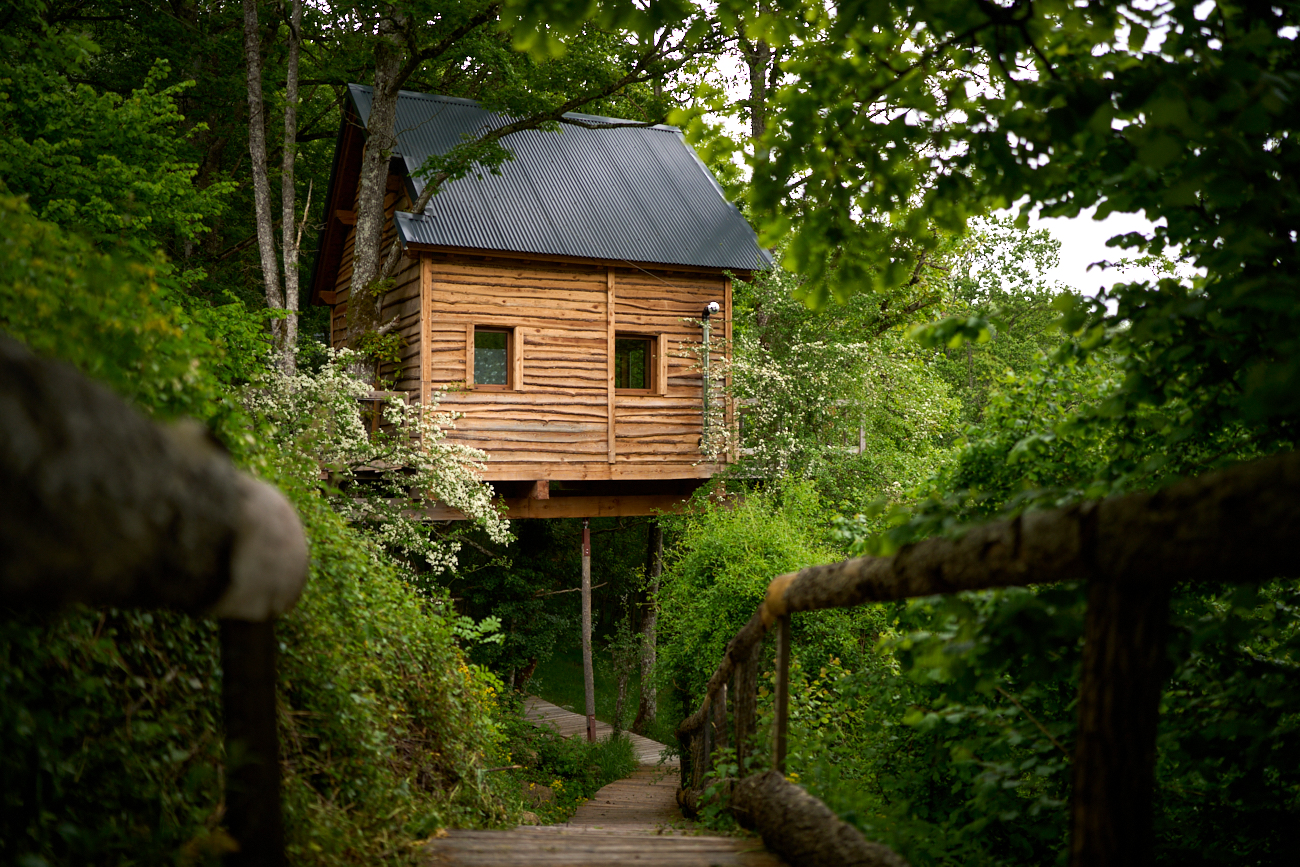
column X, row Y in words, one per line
column 553, row 304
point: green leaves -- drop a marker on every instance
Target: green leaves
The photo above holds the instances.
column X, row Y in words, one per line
column 952, row 333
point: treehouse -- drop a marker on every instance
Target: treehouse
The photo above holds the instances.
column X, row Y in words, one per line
column 558, row 306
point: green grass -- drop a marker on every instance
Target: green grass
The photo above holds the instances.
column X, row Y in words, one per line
column 559, row 681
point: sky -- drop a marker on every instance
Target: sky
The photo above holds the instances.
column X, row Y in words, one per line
column 1083, row 241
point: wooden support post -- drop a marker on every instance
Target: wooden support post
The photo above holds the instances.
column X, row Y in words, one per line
column 782, row 724
column 541, row 490
column 745, row 704
column 588, row 678
column 648, row 708
column 707, row 735
column 252, row 751
column 719, row 724
column 1124, row 667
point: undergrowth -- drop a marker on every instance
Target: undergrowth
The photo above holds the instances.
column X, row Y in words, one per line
column 556, row 774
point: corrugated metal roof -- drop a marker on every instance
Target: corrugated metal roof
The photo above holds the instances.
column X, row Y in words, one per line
column 636, row 194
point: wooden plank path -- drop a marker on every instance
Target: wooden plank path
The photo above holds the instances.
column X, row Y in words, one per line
column 632, row 820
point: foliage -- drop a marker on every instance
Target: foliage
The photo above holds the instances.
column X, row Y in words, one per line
column 717, row 571
column 995, row 283
column 314, row 422
column 1028, row 452
column 111, row 723
column 516, row 585
column 865, row 419
column 121, row 319
column 112, row 166
column 559, row 773
column 1180, row 111
column 622, row 655
column 110, row 719
column 843, row 397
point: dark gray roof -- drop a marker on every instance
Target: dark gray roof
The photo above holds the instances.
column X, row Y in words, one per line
column 636, row 194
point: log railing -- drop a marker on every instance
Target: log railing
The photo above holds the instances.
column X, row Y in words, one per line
column 101, row 506
column 1237, row 525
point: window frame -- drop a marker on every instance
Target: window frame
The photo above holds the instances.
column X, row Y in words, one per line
column 651, row 363
column 512, row 358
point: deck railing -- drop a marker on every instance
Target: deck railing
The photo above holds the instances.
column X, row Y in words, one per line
column 1237, row 525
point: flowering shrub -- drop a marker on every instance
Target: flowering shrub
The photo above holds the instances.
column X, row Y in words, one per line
column 381, row 479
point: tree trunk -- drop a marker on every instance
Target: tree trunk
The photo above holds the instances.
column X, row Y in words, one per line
column 381, row 138
column 758, row 57
column 648, row 709
column 290, row 234
column 261, row 179
column 803, row 830
column 525, row 674
column 1124, row 667
column 620, row 700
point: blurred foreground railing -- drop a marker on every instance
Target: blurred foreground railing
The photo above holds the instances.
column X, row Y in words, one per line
column 103, row 507
column 1238, row 525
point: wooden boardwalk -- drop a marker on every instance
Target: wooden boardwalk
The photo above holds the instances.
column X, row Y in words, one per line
column 634, row 820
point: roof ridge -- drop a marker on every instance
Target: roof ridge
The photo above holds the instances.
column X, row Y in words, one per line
column 474, row 103
column 616, row 193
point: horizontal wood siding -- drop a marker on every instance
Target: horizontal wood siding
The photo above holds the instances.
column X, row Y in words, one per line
column 553, row 424
column 654, row 429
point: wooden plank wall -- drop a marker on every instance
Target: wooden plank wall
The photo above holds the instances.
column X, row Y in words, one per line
column 555, row 423
column 665, row 427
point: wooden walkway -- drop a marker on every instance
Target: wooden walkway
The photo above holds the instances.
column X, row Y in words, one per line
column 633, row 820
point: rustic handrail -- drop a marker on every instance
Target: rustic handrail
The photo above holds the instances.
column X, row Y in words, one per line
column 103, row 507
column 1235, row 525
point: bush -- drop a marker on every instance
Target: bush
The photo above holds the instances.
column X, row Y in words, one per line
column 717, row 571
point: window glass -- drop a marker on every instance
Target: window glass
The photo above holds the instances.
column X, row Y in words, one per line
column 632, row 362
column 491, row 357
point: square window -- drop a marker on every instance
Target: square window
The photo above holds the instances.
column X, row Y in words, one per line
column 634, row 362
column 492, row 358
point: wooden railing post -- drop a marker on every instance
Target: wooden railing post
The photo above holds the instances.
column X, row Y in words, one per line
column 781, row 724
column 745, row 706
column 720, row 738
column 1124, row 666
column 707, row 736
column 252, row 749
